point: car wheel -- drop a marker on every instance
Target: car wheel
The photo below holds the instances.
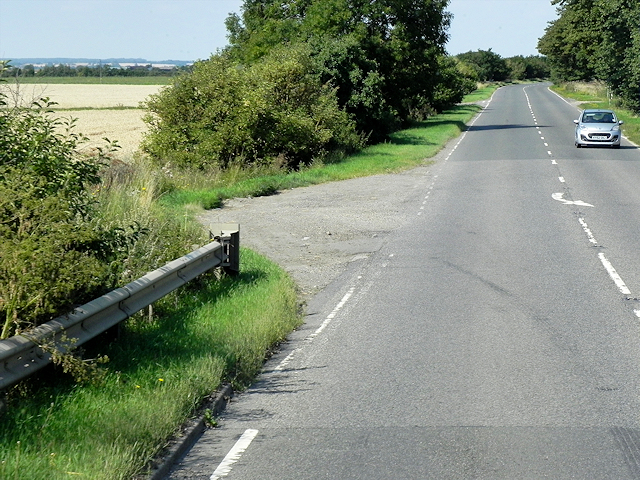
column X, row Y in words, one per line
column 578, row 145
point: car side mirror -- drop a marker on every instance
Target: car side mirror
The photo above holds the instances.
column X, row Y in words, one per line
column 620, row 122
column 576, row 122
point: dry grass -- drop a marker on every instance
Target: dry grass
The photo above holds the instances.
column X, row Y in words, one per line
column 124, row 126
column 90, row 96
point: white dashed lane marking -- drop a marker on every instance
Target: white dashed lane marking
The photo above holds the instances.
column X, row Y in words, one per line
column 614, row 275
column 560, row 197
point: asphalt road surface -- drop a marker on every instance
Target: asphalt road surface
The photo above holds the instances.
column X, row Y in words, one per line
column 493, row 335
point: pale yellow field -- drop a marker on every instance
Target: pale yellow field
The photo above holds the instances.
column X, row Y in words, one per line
column 96, row 96
column 124, row 126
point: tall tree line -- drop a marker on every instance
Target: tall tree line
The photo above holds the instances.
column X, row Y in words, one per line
column 303, row 78
column 106, row 70
column 387, row 58
column 597, row 40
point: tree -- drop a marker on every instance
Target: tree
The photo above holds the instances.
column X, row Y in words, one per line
column 618, row 62
column 537, row 66
column 571, row 41
column 530, row 67
column 384, row 57
column 489, row 66
column 596, row 39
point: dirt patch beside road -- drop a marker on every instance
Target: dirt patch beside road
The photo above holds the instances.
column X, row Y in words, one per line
column 314, row 232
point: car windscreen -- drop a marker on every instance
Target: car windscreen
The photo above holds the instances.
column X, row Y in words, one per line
column 599, row 117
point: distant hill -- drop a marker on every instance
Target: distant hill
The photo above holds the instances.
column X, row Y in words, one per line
column 17, row 62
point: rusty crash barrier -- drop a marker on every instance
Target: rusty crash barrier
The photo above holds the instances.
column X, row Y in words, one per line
column 22, row 355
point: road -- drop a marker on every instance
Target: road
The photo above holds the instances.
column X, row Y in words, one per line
column 494, row 336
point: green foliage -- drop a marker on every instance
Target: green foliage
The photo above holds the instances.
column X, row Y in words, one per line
column 44, row 209
column 453, row 85
column 361, row 88
column 160, row 371
column 596, row 40
column 489, row 66
column 527, row 68
column 274, row 111
column 384, row 57
column 404, row 149
column 53, row 253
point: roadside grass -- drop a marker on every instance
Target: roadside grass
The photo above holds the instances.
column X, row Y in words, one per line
column 595, row 96
column 158, row 374
column 151, row 80
column 405, row 149
column 482, row 93
column 217, row 329
column 582, row 91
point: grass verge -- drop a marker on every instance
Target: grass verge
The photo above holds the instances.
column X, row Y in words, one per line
column 212, row 331
column 159, row 372
column 593, row 95
column 405, row 149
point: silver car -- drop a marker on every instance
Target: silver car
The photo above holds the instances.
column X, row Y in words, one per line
column 598, row 127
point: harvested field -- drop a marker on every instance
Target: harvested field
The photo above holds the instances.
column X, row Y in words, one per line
column 125, row 126
column 104, row 116
column 90, row 96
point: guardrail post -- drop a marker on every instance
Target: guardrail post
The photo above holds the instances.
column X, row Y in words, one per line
column 229, row 236
column 234, row 254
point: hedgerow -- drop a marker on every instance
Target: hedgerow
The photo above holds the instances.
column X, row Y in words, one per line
column 274, row 111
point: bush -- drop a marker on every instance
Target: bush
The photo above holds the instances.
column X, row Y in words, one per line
column 489, row 66
column 272, row 112
column 53, row 253
column 345, row 63
column 453, row 84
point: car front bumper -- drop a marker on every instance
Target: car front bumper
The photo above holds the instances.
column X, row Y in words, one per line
column 605, row 139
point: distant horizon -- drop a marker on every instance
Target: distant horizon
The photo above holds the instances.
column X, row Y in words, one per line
column 27, row 60
column 52, row 60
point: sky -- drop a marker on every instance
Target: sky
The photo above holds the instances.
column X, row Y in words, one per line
column 158, row 30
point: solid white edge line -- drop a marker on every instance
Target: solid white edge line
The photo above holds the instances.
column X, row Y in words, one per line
column 562, row 98
column 637, row 312
column 464, row 134
column 286, row 361
column 234, row 454
column 614, row 275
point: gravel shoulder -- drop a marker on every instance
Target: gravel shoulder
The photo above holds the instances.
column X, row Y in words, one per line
column 315, row 232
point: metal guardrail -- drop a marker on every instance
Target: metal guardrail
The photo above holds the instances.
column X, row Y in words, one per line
column 21, row 355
